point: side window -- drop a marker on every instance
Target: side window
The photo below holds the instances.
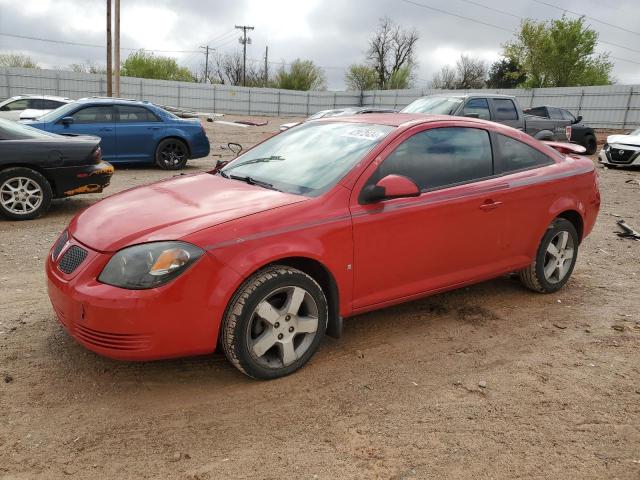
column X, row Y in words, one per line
column 21, row 104
column 130, row 114
column 36, row 103
column 555, row 113
column 51, row 104
column 516, row 155
column 479, row 106
column 567, row 115
column 440, row 157
column 100, row 114
column 538, row 111
column 505, row 109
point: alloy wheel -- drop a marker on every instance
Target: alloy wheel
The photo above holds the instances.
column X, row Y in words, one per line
column 559, row 257
column 283, row 327
column 173, row 154
column 21, row 195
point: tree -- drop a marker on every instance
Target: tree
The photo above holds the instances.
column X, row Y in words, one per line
column 392, row 49
column 144, row 64
column 301, row 75
column 88, row 67
column 559, row 53
column 469, row 73
column 361, row 77
column 18, row 60
column 505, row 73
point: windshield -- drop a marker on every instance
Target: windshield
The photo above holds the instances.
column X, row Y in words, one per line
column 17, row 131
column 308, row 159
column 434, row 105
column 57, row 113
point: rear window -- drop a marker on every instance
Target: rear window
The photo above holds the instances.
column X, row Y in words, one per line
column 17, row 131
column 505, row 109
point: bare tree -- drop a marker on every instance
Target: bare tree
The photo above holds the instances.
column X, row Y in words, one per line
column 445, row 79
column 472, row 72
column 391, row 49
column 469, row 73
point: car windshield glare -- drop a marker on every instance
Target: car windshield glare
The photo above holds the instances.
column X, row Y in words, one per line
column 434, row 105
column 17, row 131
column 309, row 159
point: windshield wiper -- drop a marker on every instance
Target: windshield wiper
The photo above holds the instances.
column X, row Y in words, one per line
column 252, row 181
column 256, row 160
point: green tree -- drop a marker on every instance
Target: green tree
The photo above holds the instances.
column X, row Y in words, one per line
column 361, row 77
column 505, row 73
column 559, row 53
column 301, row 75
column 144, row 64
column 17, row 60
column 400, row 79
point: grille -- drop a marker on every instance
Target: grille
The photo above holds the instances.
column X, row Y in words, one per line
column 71, row 259
column 618, row 155
column 114, row 341
column 57, row 247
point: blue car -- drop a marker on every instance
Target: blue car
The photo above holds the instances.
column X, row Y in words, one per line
column 131, row 131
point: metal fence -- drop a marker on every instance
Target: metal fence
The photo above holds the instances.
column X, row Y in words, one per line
column 613, row 106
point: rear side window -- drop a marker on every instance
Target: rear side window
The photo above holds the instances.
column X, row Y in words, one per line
column 131, row 114
column 505, row 109
column 51, row 104
column 516, row 155
column 441, row 157
column 94, row 115
column 538, row 111
column 480, row 106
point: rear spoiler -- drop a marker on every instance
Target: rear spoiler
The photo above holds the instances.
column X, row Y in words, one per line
column 566, row 148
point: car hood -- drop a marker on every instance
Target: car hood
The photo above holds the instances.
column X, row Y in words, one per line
column 624, row 139
column 171, row 209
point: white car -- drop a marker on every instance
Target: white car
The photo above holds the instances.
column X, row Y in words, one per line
column 29, row 107
column 623, row 150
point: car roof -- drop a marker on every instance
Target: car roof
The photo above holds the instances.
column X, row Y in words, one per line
column 396, row 119
column 467, row 95
column 44, row 97
column 113, row 100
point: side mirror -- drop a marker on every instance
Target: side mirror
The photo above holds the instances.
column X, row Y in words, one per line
column 472, row 115
column 67, row 120
column 391, row 186
column 578, row 120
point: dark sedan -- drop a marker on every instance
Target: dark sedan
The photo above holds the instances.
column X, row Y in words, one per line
column 37, row 166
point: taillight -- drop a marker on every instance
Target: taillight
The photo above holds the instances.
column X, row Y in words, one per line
column 97, row 155
column 567, row 132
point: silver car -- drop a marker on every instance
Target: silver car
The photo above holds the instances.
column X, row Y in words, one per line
column 621, row 150
column 29, row 107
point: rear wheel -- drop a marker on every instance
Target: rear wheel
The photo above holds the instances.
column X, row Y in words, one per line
column 590, row 144
column 24, row 193
column 172, row 154
column 555, row 259
column 274, row 323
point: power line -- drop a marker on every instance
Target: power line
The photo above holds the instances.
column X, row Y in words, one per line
column 587, row 16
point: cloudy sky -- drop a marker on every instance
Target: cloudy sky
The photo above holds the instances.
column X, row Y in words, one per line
column 332, row 33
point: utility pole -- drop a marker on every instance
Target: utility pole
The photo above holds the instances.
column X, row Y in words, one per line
column 109, row 63
column 266, row 66
column 206, row 63
column 116, row 52
column 244, row 41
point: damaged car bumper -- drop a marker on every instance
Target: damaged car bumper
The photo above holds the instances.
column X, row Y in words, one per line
column 623, row 155
column 76, row 180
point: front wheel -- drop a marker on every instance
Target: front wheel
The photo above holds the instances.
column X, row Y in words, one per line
column 555, row 258
column 24, row 194
column 274, row 323
column 172, row 154
column 590, row 144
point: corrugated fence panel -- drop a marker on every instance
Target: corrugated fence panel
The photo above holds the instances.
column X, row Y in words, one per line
column 612, row 106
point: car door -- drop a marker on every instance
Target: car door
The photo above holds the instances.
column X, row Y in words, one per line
column 138, row 131
column 450, row 234
column 95, row 120
column 505, row 112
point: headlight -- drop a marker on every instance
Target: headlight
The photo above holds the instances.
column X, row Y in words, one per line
column 149, row 265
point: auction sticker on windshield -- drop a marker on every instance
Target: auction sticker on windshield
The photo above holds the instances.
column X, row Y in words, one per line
column 364, row 134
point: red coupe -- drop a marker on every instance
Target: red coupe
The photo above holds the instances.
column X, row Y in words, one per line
column 327, row 220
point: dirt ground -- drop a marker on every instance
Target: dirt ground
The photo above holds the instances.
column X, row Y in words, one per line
column 490, row 381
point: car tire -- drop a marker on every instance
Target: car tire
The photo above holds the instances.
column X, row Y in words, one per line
column 24, row 193
column 172, row 154
column 591, row 144
column 555, row 259
column 274, row 323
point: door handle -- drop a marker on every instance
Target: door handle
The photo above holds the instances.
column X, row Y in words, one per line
column 489, row 205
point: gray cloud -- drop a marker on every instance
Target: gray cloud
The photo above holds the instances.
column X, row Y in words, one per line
column 332, row 33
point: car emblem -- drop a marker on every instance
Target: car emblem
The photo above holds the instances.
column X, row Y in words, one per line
column 620, row 152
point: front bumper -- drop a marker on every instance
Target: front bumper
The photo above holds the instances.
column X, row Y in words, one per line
column 75, row 180
column 631, row 159
column 181, row 318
